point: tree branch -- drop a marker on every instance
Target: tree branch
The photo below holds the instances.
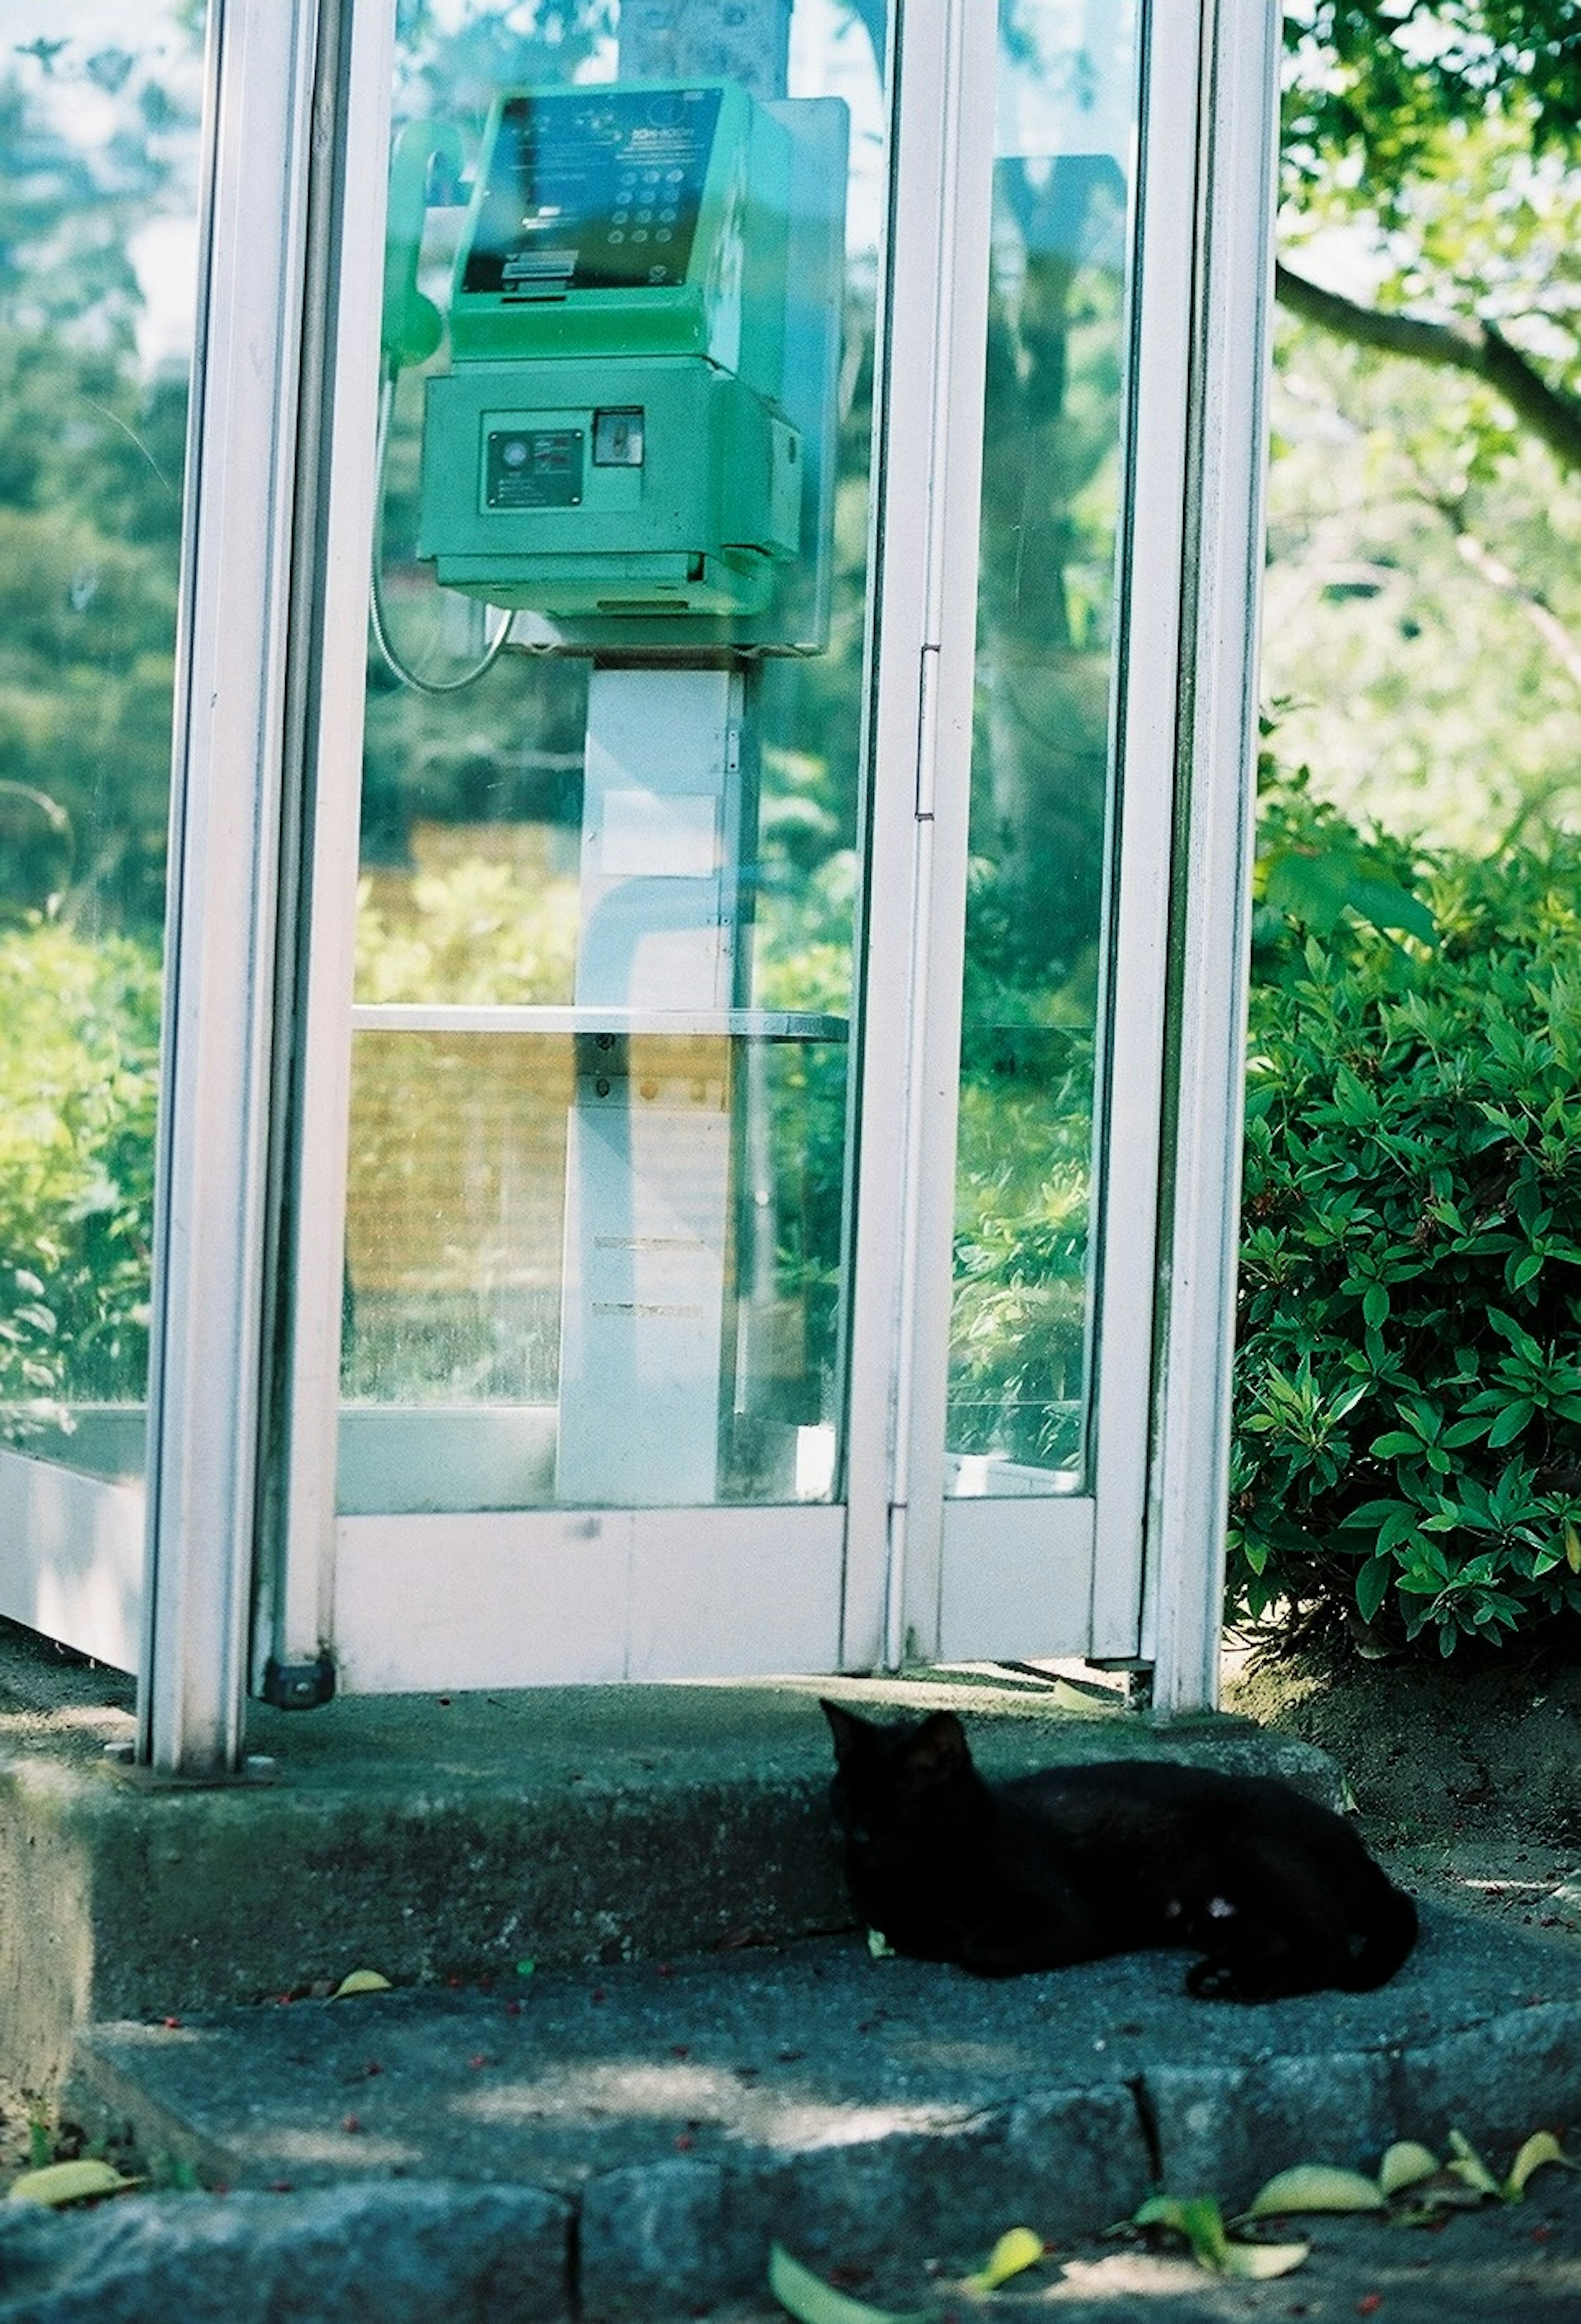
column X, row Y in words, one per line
column 1469, row 346
column 1564, row 646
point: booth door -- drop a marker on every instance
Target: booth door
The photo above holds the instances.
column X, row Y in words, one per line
column 727, row 1128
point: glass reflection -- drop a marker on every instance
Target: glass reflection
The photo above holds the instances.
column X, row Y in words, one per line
column 99, row 108
column 1046, row 672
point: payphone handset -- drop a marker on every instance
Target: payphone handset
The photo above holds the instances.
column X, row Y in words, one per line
column 634, row 438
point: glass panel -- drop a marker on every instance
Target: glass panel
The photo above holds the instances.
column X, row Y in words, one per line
column 612, row 759
column 1046, row 674
column 99, row 109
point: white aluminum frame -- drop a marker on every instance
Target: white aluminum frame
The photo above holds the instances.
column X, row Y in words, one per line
column 1206, row 1066
column 205, row 1367
column 899, row 1571
column 296, row 1615
column 921, row 641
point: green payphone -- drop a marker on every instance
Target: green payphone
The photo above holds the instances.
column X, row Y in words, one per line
column 647, row 288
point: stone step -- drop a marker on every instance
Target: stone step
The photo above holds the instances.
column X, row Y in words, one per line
column 650, row 2126
column 441, row 1836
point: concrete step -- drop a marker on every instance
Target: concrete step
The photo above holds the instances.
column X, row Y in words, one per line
column 438, row 1837
column 650, row 2126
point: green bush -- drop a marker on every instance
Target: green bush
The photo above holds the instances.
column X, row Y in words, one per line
column 78, row 1070
column 1407, row 1453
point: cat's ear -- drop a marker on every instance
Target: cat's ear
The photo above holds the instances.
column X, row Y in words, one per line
column 938, row 1750
column 851, row 1730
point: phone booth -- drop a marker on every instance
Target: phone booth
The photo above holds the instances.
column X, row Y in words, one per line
column 701, row 1095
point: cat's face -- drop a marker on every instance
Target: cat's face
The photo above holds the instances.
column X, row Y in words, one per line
column 894, row 1785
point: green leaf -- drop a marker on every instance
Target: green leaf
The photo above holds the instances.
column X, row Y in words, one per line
column 1519, row 1338
column 1199, row 2219
column 59, row 2183
column 1542, row 2148
column 1388, row 906
column 1316, row 2186
column 1260, row 2262
column 1017, row 2248
column 1310, row 887
column 1510, row 1423
column 811, row 2301
column 1406, row 2164
column 1372, row 1587
column 1467, row 2165
column 361, row 1980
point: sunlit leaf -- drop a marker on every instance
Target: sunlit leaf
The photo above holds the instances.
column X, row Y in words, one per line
column 1317, row 2186
column 1017, row 2248
column 1259, row 2261
column 813, row 2301
column 68, row 2182
column 1161, row 2211
column 1199, row 2220
column 1091, row 1701
column 1542, row 2148
column 361, row 1980
column 1466, row 2165
column 1406, row 2164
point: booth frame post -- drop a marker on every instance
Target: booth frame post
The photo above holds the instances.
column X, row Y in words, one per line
column 294, row 1619
column 924, row 540
column 1216, row 796
column 207, row 1389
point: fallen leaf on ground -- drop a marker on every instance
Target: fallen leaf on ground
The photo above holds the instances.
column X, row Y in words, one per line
column 1406, row 2164
column 1017, row 2248
column 880, row 1946
column 1319, row 2186
column 68, row 2182
column 1201, row 2223
column 1542, row 2148
column 811, row 2301
column 1430, row 2198
column 1259, row 2262
column 1467, row 2164
column 361, row 1980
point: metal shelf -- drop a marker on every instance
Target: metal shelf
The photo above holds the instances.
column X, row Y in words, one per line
column 685, row 1024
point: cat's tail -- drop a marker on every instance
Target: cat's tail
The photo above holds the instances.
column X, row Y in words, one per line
column 1385, row 1940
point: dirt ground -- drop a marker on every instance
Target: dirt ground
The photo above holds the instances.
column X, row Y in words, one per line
column 1466, row 1780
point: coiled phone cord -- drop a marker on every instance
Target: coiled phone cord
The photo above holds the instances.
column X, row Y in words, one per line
column 398, row 668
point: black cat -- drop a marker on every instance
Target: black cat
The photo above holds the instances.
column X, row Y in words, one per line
column 1277, row 1893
